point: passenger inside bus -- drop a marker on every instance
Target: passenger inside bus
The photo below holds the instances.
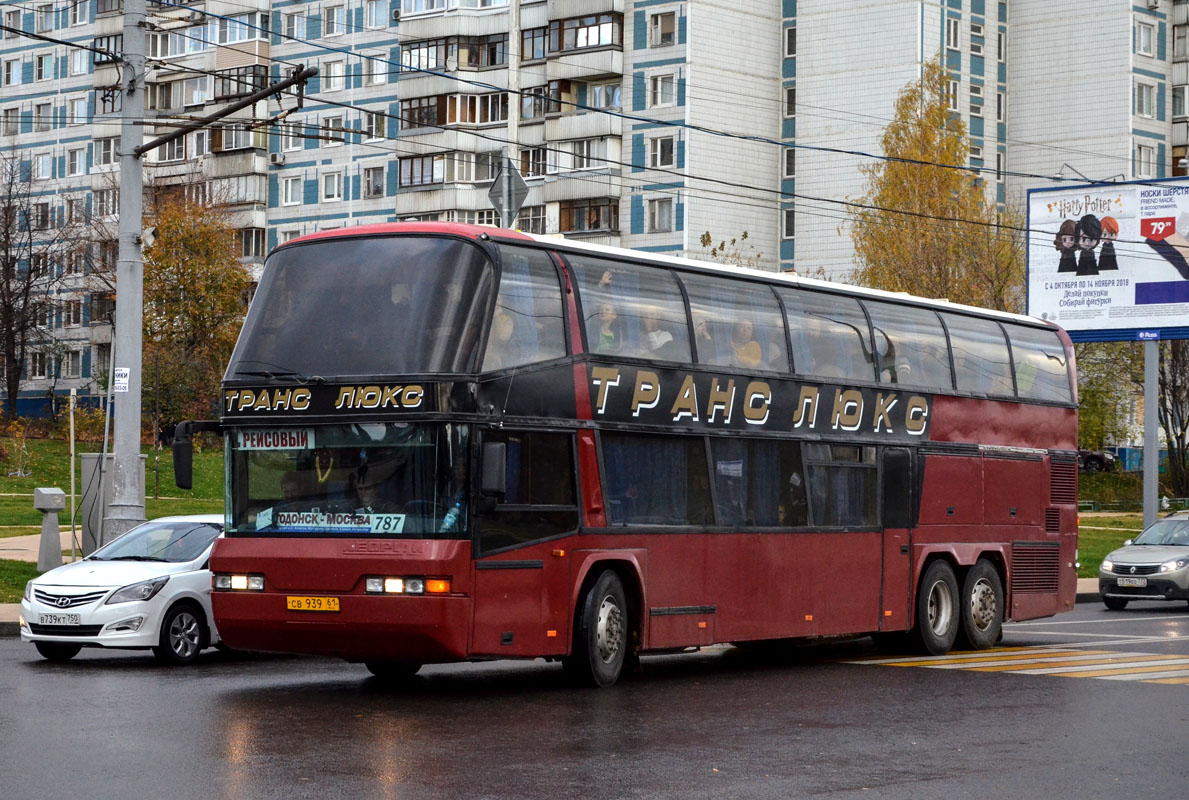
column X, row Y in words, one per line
column 370, row 492
column 608, row 336
column 746, row 349
column 658, row 342
column 499, row 346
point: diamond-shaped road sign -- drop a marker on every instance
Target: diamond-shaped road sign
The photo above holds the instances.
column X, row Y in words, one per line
column 508, row 192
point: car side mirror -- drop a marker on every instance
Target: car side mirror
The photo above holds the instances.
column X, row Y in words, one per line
column 494, row 482
column 1127, row 543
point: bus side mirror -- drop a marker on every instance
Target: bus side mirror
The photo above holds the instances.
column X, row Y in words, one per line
column 183, row 463
column 495, row 471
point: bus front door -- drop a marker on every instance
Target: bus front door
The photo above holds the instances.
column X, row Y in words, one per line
column 899, row 488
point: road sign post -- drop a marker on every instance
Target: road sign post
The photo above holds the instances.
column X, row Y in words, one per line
column 508, row 192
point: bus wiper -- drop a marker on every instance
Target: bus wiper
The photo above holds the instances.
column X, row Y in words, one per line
column 278, row 372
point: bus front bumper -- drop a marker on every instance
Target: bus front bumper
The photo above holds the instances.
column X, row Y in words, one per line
column 426, row 629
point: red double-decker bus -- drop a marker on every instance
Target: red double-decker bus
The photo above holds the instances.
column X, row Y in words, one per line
column 449, row 442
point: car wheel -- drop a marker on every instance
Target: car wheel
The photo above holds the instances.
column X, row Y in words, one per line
column 183, row 636
column 53, row 651
column 393, row 670
column 937, row 609
column 1115, row 603
column 1093, row 465
column 601, row 634
column 982, row 606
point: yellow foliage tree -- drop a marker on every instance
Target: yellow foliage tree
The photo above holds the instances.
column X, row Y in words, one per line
column 194, row 303
column 931, row 230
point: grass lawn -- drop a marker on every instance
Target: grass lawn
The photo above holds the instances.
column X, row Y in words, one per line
column 1094, row 544
column 13, row 577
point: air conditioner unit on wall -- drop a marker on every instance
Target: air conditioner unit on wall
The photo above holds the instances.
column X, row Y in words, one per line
column 396, row 13
column 276, row 159
column 1153, row 3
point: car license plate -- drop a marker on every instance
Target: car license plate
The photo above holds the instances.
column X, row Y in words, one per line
column 312, row 603
column 1132, row 581
column 58, row 619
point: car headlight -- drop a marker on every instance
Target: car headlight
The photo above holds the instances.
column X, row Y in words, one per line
column 28, row 591
column 1107, row 565
column 1173, row 566
column 145, row 590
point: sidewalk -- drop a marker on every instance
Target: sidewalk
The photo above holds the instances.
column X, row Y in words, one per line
column 26, row 548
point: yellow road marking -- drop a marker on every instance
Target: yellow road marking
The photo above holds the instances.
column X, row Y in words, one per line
column 1168, row 680
column 1098, row 673
column 1055, row 665
column 989, row 655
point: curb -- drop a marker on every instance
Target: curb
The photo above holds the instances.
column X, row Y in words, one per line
column 1088, row 597
column 10, row 629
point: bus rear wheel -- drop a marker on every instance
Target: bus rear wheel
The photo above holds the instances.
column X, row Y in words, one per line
column 937, row 609
column 601, row 634
column 982, row 606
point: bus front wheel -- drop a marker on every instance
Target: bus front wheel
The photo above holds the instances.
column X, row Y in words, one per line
column 937, row 609
column 601, row 634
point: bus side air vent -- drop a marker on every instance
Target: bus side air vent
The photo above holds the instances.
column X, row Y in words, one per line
column 1063, row 483
column 1035, row 567
column 1052, row 520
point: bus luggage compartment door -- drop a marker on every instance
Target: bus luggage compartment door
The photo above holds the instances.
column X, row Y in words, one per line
column 899, row 493
column 520, row 604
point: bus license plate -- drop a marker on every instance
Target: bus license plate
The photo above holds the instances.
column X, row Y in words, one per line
column 1132, row 581
column 58, row 619
column 312, row 603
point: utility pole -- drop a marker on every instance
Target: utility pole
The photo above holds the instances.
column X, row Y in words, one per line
column 127, row 497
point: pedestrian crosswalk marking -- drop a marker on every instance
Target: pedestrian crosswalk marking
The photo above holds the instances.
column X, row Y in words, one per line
column 1067, row 662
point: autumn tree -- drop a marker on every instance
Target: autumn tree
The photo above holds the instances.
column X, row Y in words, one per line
column 194, row 304
column 926, row 224
column 1109, row 376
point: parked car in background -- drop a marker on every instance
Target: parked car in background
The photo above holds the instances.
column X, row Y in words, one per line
column 1097, row 460
column 150, row 588
column 1153, row 566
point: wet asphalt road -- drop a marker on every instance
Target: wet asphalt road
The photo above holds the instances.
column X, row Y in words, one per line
column 720, row 723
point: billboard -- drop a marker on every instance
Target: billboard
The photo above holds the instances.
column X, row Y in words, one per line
column 1111, row 261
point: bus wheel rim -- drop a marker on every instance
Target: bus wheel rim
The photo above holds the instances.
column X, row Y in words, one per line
column 941, row 607
column 609, row 629
column 983, row 608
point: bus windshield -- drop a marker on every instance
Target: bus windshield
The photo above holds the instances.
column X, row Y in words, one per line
column 360, row 306
column 384, row 479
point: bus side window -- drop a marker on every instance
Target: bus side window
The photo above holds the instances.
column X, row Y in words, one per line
column 843, row 484
column 830, row 335
column 736, row 324
column 981, row 361
column 656, row 480
column 1042, row 371
column 540, row 501
column 527, row 324
column 910, row 345
column 630, row 311
column 758, row 482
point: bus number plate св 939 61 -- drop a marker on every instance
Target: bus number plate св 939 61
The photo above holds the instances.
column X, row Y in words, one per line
column 312, row 603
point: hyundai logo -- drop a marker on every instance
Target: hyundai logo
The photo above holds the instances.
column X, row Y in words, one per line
column 1132, row 572
column 63, row 602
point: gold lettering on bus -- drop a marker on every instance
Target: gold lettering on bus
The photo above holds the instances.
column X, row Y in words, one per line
column 686, row 404
column 246, row 398
column 883, row 406
column 411, row 397
column 647, row 393
column 367, row 397
column 391, row 397
column 916, row 415
column 301, row 400
column 346, row 397
column 848, row 409
column 720, row 399
column 757, row 414
column 603, row 378
column 280, row 399
column 806, row 410
column 262, row 402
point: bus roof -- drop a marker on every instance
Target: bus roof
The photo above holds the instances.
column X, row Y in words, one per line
column 562, row 244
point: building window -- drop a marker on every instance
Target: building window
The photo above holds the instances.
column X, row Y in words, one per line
column 295, row 25
column 422, row 170
column 43, row 116
column 43, row 164
column 790, row 162
column 291, row 135
column 12, row 21
column 73, row 361
column 534, row 43
column 335, row 19
column 291, row 191
column 1180, row 41
column 41, row 216
column 375, row 14
column 107, row 151
column 332, row 187
column 375, row 70
column 76, row 161
column 112, row 46
column 951, row 33
column 662, row 91
column 595, row 30
column 240, row 28
column 579, row 216
column 1002, row 47
column 531, row 219
column 976, row 45
column 43, row 67
column 78, row 13
column 662, row 29
column 288, row 236
column 332, row 131
column 790, row 101
column 661, row 151
column 789, row 223
column 1178, row 100
column 106, row 202
column 533, row 161
column 75, row 258
column 72, row 313
column 604, row 95
column 976, row 152
column 660, row 215
column 1145, row 100
column 12, row 121
column 79, row 60
column 1144, row 34
column 420, row 112
column 1145, row 159
column 374, row 125
column 175, row 150
column 1000, row 166
column 109, row 100
column 252, row 242
column 373, row 182
column 76, row 111
column 1000, row 106
column 790, row 41
column 39, row 365
column 332, row 79
column 951, row 95
column 12, row 72
column 201, row 143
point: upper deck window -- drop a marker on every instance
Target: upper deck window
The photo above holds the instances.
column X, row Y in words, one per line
column 527, row 324
column 365, row 306
column 830, row 335
column 631, row 311
column 1042, row 366
column 981, row 361
column 910, row 343
column 736, row 324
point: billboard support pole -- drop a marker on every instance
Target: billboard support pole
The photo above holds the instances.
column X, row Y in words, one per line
column 1151, row 446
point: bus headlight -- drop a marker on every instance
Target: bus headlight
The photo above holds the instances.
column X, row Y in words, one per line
column 406, row 585
column 238, row 583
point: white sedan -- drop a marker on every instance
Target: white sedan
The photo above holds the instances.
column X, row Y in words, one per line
column 150, row 588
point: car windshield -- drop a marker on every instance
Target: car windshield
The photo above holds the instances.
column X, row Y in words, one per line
column 177, row 541
column 1166, row 532
column 383, row 479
